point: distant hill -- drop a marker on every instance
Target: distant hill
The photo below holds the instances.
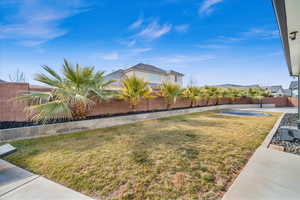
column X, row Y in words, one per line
column 235, row 86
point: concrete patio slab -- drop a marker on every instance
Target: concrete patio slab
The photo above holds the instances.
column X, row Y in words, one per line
column 12, row 177
column 281, row 109
column 19, row 184
column 42, row 188
column 269, row 174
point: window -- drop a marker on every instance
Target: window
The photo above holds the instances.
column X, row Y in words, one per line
column 154, row 78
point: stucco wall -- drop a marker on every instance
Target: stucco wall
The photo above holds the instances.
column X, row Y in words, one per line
column 11, row 110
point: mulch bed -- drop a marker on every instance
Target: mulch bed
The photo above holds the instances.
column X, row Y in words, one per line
column 15, row 124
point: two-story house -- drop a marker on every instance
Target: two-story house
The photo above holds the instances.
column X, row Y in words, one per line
column 294, row 88
column 153, row 75
column 275, row 90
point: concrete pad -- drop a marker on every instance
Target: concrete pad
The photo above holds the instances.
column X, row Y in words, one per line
column 279, row 109
column 6, row 149
column 269, row 175
column 42, row 188
column 12, row 177
column 19, row 184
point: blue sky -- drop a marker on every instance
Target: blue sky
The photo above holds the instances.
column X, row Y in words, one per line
column 210, row 41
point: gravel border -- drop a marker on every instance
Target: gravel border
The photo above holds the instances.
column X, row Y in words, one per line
column 289, row 119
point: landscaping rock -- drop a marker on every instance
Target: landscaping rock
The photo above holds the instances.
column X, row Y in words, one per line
column 284, row 134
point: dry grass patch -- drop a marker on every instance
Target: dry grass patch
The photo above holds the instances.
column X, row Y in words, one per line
column 193, row 156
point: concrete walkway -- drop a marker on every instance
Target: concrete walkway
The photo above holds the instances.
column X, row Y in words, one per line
column 19, row 184
column 282, row 109
column 269, row 174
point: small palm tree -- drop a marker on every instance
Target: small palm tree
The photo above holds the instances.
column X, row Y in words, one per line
column 134, row 89
column 71, row 95
column 192, row 93
column 219, row 94
column 211, row 93
column 170, row 91
column 234, row 94
column 258, row 94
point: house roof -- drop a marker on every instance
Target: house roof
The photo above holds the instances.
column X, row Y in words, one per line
column 146, row 67
column 273, row 88
column 2, row 81
column 142, row 67
column 293, row 85
column 152, row 68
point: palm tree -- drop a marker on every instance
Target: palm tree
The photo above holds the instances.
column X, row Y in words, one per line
column 134, row 89
column 212, row 93
column 71, row 96
column 220, row 93
column 259, row 94
column 170, row 91
column 192, row 93
column 234, row 94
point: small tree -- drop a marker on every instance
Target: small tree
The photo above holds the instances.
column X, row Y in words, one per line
column 192, row 93
column 258, row 94
column 233, row 94
column 18, row 76
column 134, row 89
column 170, row 91
column 213, row 93
column 71, row 95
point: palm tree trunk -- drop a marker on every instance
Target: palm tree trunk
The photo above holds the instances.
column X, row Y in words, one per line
column 133, row 107
column 79, row 111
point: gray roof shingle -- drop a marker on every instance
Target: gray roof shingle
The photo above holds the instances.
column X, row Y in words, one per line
column 152, row 68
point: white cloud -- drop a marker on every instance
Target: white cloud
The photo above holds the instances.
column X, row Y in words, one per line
column 154, row 30
column 261, row 33
column 139, row 50
column 211, row 46
column 136, row 24
column 35, row 23
column 206, row 6
column 254, row 33
column 182, row 28
column 186, row 58
column 109, row 56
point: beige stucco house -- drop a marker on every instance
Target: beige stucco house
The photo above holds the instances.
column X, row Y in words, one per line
column 154, row 75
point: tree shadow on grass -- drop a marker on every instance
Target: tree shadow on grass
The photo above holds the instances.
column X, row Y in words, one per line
column 196, row 122
column 177, row 140
column 220, row 116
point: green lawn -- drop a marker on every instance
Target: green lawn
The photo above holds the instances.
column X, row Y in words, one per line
column 195, row 156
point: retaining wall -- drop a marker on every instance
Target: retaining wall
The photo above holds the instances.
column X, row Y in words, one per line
column 69, row 127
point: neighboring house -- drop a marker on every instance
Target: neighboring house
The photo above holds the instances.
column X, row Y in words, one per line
column 234, row 86
column 287, row 92
column 275, row 90
column 2, row 81
column 154, row 75
column 294, row 88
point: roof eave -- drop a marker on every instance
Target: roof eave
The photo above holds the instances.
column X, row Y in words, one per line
column 280, row 11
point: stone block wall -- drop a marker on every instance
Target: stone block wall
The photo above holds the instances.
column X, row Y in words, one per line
column 11, row 110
